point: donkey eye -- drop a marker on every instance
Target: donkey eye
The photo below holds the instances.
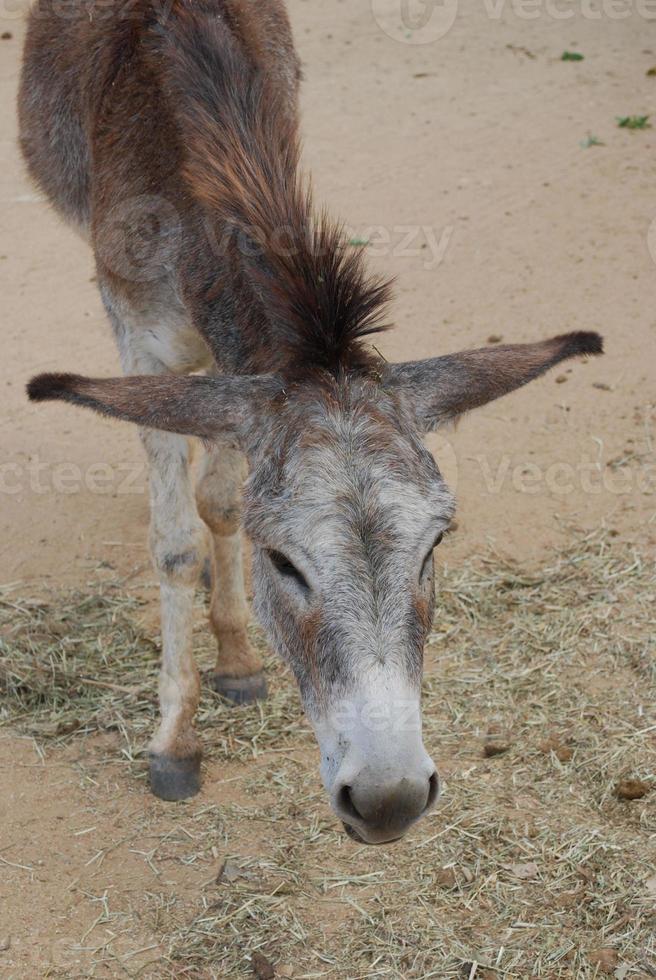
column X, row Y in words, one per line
column 285, row 568
column 427, row 559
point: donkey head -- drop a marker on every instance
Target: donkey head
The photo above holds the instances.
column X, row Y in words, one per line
column 344, row 507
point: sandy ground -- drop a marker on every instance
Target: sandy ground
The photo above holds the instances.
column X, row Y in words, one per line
column 461, row 160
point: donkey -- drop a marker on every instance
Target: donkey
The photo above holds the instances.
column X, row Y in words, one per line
column 169, row 138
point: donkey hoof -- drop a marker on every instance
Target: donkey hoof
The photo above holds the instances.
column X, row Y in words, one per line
column 175, row 779
column 206, row 575
column 240, row 690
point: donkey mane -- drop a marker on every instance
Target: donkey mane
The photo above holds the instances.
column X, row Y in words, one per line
column 241, row 153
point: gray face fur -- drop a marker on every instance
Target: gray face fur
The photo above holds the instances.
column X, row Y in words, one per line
column 344, row 508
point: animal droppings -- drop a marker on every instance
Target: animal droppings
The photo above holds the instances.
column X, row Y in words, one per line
column 446, row 878
column 562, row 752
column 262, row 967
column 631, row 789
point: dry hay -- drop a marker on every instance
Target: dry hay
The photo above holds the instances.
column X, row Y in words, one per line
column 539, row 700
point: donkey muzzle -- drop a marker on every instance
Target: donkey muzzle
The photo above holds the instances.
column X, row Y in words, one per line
column 378, row 808
column 375, row 767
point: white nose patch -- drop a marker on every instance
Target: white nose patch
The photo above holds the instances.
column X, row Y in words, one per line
column 378, row 729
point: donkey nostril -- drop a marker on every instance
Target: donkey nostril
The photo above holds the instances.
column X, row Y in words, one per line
column 346, row 804
column 433, row 791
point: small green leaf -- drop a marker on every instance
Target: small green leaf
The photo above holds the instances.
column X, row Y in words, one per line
column 591, row 140
column 571, row 56
column 633, row 122
column 358, row 241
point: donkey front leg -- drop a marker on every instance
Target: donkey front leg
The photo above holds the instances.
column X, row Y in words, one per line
column 239, row 670
column 177, row 540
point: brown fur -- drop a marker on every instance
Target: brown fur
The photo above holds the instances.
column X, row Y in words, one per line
column 443, row 388
column 320, row 300
column 199, row 105
column 194, row 406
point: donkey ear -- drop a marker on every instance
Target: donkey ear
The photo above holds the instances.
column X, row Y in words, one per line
column 442, row 388
column 207, row 407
